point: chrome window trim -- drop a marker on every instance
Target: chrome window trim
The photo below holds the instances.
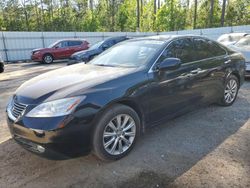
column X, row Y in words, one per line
column 225, row 55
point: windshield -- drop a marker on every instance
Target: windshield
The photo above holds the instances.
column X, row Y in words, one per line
column 96, row 45
column 53, row 44
column 244, row 41
column 128, row 54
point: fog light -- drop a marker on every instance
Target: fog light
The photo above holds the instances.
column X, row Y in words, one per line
column 38, row 131
column 40, row 149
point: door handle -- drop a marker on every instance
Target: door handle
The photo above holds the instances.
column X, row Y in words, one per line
column 227, row 61
column 196, row 71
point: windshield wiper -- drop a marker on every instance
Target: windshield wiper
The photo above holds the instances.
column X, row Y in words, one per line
column 107, row 65
column 104, row 65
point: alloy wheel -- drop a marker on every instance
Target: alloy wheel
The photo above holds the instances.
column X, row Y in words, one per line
column 48, row 59
column 230, row 91
column 119, row 134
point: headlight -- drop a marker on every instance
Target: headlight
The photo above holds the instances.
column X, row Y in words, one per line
column 56, row 108
column 37, row 52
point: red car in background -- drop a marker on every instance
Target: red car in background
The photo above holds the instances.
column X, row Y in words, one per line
column 61, row 49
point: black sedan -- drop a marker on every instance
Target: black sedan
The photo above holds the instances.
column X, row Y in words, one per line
column 105, row 105
column 96, row 49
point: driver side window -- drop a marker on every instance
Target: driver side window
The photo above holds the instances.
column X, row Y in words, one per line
column 181, row 48
column 62, row 44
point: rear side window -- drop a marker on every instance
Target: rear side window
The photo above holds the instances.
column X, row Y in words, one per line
column 207, row 49
column 111, row 43
column 75, row 43
column 181, row 48
column 216, row 49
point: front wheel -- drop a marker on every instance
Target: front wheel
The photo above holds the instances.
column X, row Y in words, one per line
column 116, row 132
column 230, row 91
column 1, row 68
column 48, row 59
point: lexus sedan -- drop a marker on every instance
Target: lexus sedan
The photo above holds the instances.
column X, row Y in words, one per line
column 105, row 105
column 96, row 49
column 61, row 49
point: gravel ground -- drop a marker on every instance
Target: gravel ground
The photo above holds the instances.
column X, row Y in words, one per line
column 209, row 147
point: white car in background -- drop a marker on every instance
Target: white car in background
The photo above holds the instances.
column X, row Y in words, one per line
column 243, row 46
column 239, row 42
column 231, row 38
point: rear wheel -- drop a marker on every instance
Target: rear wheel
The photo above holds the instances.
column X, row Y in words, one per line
column 48, row 59
column 230, row 91
column 116, row 132
column 92, row 57
column 1, row 68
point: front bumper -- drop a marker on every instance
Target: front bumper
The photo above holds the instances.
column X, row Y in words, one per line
column 70, row 141
column 36, row 57
column 247, row 73
column 73, row 61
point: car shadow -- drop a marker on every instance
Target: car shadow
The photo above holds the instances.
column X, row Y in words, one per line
column 32, row 63
column 161, row 155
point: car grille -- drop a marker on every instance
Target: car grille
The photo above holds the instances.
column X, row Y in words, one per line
column 17, row 109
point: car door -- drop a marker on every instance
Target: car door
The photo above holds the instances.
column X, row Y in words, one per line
column 208, row 69
column 74, row 46
column 172, row 92
column 61, row 50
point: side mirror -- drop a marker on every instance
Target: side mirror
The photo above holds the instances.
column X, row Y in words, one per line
column 169, row 64
column 56, row 47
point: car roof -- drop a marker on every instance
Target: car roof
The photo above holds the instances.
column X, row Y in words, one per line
column 71, row 39
column 115, row 38
column 167, row 37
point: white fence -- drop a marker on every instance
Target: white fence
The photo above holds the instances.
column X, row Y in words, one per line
column 15, row 46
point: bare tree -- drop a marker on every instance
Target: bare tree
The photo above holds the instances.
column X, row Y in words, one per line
column 138, row 15
column 141, row 13
column 211, row 13
column 91, row 5
column 154, row 16
column 23, row 2
column 223, row 12
column 195, row 13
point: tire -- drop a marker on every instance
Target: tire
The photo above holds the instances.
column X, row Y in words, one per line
column 91, row 57
column 230, row 93
column 1, row 68
column 48, row 59
column 118, row 142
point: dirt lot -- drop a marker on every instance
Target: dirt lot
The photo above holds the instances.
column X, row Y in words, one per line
column 209, row 147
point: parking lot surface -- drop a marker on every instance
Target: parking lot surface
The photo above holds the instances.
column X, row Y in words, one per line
column 209, row 147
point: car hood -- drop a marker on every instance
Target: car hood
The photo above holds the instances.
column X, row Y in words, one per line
column 66, row 82
column 40, row 49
